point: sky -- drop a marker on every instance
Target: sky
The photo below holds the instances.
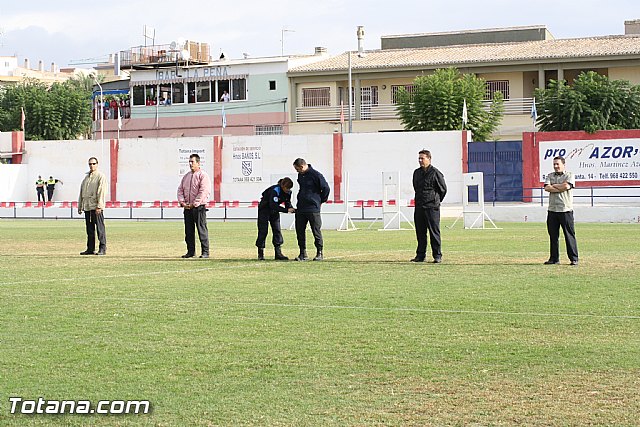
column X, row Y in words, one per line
column 76, row 32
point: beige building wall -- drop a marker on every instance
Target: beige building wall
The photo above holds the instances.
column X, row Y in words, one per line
column 359, row 126
column 632, row 74
column 512, row 126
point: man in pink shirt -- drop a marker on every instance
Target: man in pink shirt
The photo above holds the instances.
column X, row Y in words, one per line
column 193, row 194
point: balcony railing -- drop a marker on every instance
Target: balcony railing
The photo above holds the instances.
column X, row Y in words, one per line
column 322, row 114
column 514, row 106
column 191, row 52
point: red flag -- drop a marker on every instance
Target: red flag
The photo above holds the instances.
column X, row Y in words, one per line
column 22, row 118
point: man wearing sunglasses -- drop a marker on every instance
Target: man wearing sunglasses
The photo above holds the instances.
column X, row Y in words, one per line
column 91, row 201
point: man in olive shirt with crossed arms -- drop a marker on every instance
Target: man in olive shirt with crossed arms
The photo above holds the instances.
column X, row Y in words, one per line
column 559, row 184
column 91, row 201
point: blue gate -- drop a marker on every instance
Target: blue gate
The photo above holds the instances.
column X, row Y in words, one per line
column 501, row 164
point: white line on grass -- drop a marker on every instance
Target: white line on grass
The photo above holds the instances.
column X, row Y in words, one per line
column 305, row 306
column 347, row 307
column 153, row 273
column 116, row 276
column 432, row 310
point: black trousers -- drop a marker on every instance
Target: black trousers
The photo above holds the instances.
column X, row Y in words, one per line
column 95, row 222
column 196, row 218
column 49, row 193
column 428, row 219
column 266, row 217
column 315, row 221
column 555, row 220
column 40, row 194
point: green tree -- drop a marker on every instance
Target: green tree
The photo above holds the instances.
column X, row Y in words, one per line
column 592, row 103
column 59, row 111
column 436, row 103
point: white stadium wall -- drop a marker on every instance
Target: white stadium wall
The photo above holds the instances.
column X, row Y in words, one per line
column 278, row 154
column 367, row 156
column 150, row 169
column 13, row 181
column 64, row 160
column 6, row 142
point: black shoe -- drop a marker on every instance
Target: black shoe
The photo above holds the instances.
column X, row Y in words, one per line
column 260, row 254
column 574, row 262
column 302, row 256
column 188, row 255
column 437, row 260
column 550, row 262
column 318, row 256
column 279, row 256
column 87, row 252
column 204, row 256
column 417, row 259
column 101, row 253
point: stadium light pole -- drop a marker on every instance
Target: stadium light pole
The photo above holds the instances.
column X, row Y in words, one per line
column 350, row 96
column 361, row 54
column 101, row 116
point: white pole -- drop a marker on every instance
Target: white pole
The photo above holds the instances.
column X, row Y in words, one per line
column 101, row 118
column 350, row 96
column 284, row 30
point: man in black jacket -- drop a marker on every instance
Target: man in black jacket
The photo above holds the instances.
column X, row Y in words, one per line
column 313, row 191
column 430, row 188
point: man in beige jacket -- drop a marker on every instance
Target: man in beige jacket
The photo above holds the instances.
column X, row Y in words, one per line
column 91, row 201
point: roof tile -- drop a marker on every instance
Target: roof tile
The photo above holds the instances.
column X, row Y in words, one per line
column 460, row 55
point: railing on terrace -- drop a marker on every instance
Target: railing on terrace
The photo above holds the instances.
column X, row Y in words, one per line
column 197, row 53
column 322, row 114
column 514, row 106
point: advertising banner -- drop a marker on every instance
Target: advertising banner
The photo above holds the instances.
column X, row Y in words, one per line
column 594, row 160
column 183, row 159
column 247, row 163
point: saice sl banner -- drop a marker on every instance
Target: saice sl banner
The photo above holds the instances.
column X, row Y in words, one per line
column 247, row 163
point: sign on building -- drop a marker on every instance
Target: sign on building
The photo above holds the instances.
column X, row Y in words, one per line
column 247, row 163
column 183, row 159
column 594, row 160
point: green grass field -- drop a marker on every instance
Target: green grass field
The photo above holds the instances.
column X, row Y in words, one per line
column 489, row 337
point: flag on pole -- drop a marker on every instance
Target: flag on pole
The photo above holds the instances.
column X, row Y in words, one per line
column 224, row 118
column 465, row 118
column 119, row 119
column 534, row 112
column 22, row 117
